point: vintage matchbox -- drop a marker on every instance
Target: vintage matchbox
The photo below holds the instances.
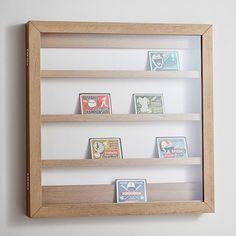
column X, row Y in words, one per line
column 95, row 103
column 148, row 103
column 105, row 148
column 131, row 190
column 163, row 60
column 172, row 147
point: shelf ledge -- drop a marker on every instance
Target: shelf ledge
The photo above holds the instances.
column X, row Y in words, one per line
column 131, row 162
column 120, row 117
column 117, row 74
column 105, row 193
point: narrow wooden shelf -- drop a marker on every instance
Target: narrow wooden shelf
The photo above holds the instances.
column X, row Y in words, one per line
column 120, row 117
column 117, row 74
column 105, row 193
column 108, row 209
column 114, row 41
column 134, row 162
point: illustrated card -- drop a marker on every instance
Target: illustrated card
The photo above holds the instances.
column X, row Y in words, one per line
column 105, row 148
column 163, row 61
column 172, row 147
column 131, row 190
column 148, row 103
column 95, row 103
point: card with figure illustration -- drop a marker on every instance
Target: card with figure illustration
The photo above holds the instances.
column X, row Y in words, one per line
column 172, row 147
column 95, row 103
column 148, row 103
column 131, row 190
column 163, row 60
column 105, row 148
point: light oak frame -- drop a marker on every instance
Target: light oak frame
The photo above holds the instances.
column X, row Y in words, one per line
column 35, row 32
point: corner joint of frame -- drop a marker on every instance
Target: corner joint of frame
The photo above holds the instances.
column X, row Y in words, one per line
column 210, row 207
column 35, row 213
column 208, row 29
column 32, row 24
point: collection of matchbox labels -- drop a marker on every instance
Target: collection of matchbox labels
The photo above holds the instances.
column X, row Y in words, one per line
column 134, row 190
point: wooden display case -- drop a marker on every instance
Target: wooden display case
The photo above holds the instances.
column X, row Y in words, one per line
column 105, row 56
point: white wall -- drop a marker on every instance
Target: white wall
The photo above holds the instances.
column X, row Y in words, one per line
column 60, row 96
column 13, row 14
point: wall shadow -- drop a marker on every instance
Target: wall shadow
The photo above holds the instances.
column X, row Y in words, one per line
column 16, row 119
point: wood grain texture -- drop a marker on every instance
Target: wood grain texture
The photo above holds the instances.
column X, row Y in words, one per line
column 104, row 206
column 119, row 28
column 120, row 117
column 105, row 193
column 118, row 74
column 115, row 41
column 33, row 166
column 131, row 162
column 104, row 209
column 208, row 137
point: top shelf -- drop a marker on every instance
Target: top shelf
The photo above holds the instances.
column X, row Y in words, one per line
column 118, row 74
column 117, row 41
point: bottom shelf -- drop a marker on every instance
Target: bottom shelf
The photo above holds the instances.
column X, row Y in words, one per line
column 89, row 194
column 98, row 200
column 108, row 209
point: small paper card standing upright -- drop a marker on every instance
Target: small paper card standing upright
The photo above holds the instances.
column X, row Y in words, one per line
column 148, row 103
column 131, row 190
column 163, row 61
column 172, row 147
column 95, row 103
column 105, row 148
